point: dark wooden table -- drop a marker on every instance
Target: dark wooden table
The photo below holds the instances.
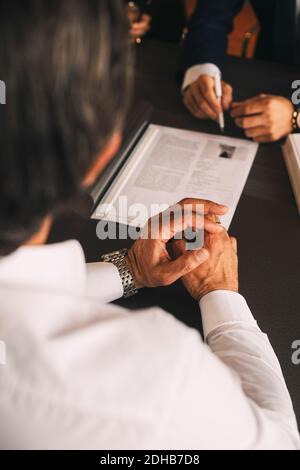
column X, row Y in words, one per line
column 266, row 223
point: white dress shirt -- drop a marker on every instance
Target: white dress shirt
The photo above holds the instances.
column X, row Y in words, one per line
column 81, row 374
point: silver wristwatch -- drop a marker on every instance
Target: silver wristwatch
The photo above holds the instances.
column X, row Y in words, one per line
column 118, row 259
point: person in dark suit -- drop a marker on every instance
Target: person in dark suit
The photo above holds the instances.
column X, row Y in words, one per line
column 264, row 118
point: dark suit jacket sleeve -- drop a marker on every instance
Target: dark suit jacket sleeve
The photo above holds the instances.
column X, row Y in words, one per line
column 208, row 30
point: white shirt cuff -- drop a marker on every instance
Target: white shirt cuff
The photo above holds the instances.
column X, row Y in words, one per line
column 221, row 307
column 193, row 73
column 103, row 282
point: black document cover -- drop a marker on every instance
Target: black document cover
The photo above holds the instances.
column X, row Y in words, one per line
column 136, row 124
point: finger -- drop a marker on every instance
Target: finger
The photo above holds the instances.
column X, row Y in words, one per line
column 189, row 103
column 143, row 26
column 196, row 93
column 207, row 86
column 249, row 100
column 197, row 102
column 256, row 132
column 227, row 96
column 139, row 31
column 207, row 110
column 254, row 106
column 147, row 18
column 203, row 110
column 250, row 122
column 234, row 244
column 266, row 138
column 211, row 226
column 137, row 26
column 171, row 271
column 196, row 105
column 208, row 207
column 137, row 34
column 178, row 223
column 144, row 20
column 248, row 110
column 187, row 214
column 238, row 104
column 178, row 248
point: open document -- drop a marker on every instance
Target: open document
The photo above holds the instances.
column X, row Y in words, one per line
column 169, row 165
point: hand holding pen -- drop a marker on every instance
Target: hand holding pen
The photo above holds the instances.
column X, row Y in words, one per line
column 202, row 101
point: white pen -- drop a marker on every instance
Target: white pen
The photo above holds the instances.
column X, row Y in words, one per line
column 219, row 94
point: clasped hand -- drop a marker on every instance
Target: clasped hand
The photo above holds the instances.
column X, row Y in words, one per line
column 213, row 267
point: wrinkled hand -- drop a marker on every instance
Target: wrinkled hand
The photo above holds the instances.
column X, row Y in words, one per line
column 219, row 272
column 264, row 118
column 140, row 28
column 200, row 98
column 149, row 260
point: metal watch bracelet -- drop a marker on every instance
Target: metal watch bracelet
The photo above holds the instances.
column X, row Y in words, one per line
column 295, row 120
column 118, row 259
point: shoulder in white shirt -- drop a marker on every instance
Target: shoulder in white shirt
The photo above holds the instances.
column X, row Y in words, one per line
column 84, row 375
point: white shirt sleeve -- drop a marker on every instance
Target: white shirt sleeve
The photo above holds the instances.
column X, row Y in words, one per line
column 234, row 336
column 193, row 73
column 222, row 307
column 233, row 394
column 103, row 282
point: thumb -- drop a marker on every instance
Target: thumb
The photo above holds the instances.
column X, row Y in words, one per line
column 185, row 264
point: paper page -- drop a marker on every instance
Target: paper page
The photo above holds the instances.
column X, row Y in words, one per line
column 295, row 141
column 291, row 152
column 169, row 165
